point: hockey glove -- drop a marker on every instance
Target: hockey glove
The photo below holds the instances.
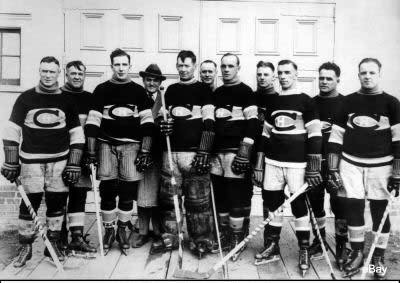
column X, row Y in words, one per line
column 258, row 172
column 11, row 168
column 334, row 182
column 144, row 160
column 313, row 170
column 394, row 180
column 166, row 127
column 201, row 161
column 90, row 154
column 72, row 171
column 241, row 162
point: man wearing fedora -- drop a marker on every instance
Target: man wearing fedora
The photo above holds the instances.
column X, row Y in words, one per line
column 149, row 186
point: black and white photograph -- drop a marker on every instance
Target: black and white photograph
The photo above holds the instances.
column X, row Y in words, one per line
column 200, row 140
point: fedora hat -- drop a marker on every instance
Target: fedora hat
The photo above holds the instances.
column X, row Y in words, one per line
column 152, row 71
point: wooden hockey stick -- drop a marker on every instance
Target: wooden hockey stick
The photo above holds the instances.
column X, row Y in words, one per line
column 38, row 225
column 180, row 273
column 173, row 183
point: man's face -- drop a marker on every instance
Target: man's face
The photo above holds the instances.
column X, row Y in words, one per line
column 208, row 73
column 121, row 67
column 287, row 75
column 328, row 80
column 265, row 77
column 151, row 84
column 229, row 68
column 185, row 68
column 76, row 77
column 49, row 73
column 369, row 75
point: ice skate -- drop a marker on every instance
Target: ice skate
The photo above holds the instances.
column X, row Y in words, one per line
column 80, row 247
column 304, row 258
column 121, row 237
column 109, row 237
column 24, row 254
column 353, row 266
column 270, row 253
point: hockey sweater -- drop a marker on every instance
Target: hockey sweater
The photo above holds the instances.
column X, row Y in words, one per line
column 367, row 130
column 292, row 130
column 235, row 116
column 192, row 108
column 328, row 109
column 81, row 99
column 119, row 113
column 48, row 124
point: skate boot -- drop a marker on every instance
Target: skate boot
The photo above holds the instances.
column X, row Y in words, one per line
column 121, row 237
column 342, row 253
column 380, row 269
column 304, row 257
column 236, row 238
column 64, row 238
column 201, row 247
column 157, row 246
column 315, row 250
column 79, row 246
column 270, row 253
column 24, row 254
column 109, row 237
column 224, row 238
column 54, row 238
column 354, row 264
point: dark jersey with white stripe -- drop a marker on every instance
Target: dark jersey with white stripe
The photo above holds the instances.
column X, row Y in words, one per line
column 262, row 103
column 120, row 113
column 192, row 108
column 48, row 124
column 367, row 130
column 292, row 130
column 235, row 116
column 328, row 108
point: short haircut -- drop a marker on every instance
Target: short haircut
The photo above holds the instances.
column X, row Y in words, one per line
column 50, row 59
column 368, row 60
column 183, row 54
column 209, row 61
column 287, row 62
column 266, row 64
column 118, row 53
column 231, row 54
column 330, row 66
column 77, row 64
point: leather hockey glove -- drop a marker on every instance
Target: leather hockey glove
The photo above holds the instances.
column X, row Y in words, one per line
column 394, row 180
column 258, row 171
column 72, row 171
column 144, row 159
column 313, row 170
column 11, row 167
column 241, row 162
column 334, row 182
column 90, row 154
column 201, row 161
column 166, row 126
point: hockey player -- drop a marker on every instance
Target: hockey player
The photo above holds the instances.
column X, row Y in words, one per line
column 291, row 143
column 75, row 74
column 47, row 123
column 208, row 73
column 328, row 102
column 191, row 130
column 121, row 123
column 236, row 127
column 366, row 140
column 149, row 186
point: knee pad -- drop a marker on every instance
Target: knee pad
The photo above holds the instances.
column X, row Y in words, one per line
column 197, row 205
column 273, row 199
column 56, row 203
column 35, row 200
column 378, row 208
column 299, row 207
column 338, row 206
column 125, row 205
column 108, row 193
column 77, row 200
column 237, row 192
column 127, row 190
column 354, row 211
column 317, row 199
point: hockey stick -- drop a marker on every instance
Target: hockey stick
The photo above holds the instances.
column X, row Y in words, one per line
column 225, row 266
column 97, row 208
column 179, row 273
column 38, row 225
column 376, row 237
column 315, row 224
column 173, row 183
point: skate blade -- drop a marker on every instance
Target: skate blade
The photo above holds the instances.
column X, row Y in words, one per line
column 351, row 274
column 303, row 273
column 317, row 257
column 124, row 252
column 187, row 274
column 82, row 255
column 266, row 261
